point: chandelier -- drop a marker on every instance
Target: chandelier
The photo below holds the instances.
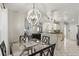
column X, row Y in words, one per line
column 33, row 16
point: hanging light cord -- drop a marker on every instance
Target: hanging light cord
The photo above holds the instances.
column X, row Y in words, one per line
column 33, row 5
column 3, row 5
column 33, row 8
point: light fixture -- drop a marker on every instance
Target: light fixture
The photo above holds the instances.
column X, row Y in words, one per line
column 33, row 15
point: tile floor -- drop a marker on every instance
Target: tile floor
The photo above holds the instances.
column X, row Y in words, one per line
column 71, row 50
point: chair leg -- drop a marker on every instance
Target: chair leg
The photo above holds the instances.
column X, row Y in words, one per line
column 31, row 50
column 22, row 52
column 28, row 52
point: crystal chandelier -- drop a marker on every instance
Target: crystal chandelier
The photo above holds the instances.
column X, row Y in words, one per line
column 33, row 16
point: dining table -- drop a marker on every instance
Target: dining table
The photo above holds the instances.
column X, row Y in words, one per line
column 37, row 47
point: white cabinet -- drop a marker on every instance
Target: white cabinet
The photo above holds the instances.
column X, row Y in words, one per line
column 73, row 32
column 60, row 41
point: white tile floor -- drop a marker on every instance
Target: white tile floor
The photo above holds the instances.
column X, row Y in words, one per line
column 71, row 50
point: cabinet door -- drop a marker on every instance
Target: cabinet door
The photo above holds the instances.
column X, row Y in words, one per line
column 53, row 38
column 60, row 42
column 73, row 32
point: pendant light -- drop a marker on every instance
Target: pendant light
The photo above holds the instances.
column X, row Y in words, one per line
column 33, row 15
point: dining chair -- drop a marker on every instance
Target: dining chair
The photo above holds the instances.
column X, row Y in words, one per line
column 3, row 48
column 47, row 51
column 45, row 39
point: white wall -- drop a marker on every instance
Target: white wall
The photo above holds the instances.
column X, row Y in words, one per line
column 11, row 26
column 16, row 25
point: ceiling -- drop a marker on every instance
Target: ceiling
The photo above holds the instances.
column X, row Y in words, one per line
column 23, row 7
column 70, row 10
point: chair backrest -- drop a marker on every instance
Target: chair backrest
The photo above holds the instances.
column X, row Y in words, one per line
column 22, row 39
column 3, row 48
column 46, row 39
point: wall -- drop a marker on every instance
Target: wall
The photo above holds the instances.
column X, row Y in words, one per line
column 16, row 25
